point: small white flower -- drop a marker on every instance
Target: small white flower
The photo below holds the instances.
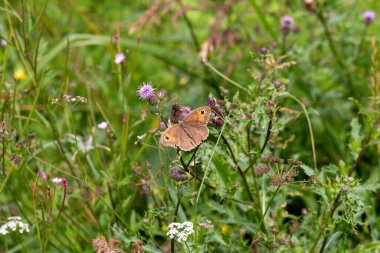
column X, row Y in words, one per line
column 12, row 224
column 119, row 58
column 56, row 180
column 54, row 101
column 180, row 231
column 103, row 125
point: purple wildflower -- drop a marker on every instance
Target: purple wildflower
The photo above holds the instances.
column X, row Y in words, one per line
column 119, row 58
column 152, row 100
column 369, row 16
column 271, row 102
column 211, row 102
column 185, row 110
column 56, row 180
column 176, row 115
column 116, row 37
column 257, row 240
column 162, row 125
column 277, row 83
column 145, row 91
column 287, row 23
column 296, row 28
column 218, row 122
column 124, row 119
column 43, row 176
column 161, row 94
column 64, row 181
column 263, row 50
column 178, row 174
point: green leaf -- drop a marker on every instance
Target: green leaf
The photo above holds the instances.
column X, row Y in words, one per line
column 308, row 171
column 151, row 248
column 356, row 137
column 333, row 240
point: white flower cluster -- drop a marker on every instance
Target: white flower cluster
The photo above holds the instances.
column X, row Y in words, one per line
column 208, row 224
column 180, row 231
column 12, row 224
column 70, row 98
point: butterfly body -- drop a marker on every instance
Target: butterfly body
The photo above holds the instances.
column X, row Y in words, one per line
column 190, row 132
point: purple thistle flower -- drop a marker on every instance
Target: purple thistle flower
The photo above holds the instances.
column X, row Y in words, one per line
column 369, row 16
column 152, row 100
column 271, row 102
column 116, row 37
column 161, row 94
column 277, row 83
column 287, row 23
column 64, row 181
column 162, row 125
column 218, row 122
column 145, row 91
column 257, row 240
column 178, row 174
column 185, row 110
column 211, row 102
column 263, row 50
column 176, row 115
column 296, row 28
column 119, row 58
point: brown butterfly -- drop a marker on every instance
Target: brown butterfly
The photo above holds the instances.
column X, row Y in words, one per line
column 189, row 133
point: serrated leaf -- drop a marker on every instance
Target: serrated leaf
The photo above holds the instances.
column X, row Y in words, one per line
column 356, row 137
column 308, row 171
column 333, row 240
column 151, row 248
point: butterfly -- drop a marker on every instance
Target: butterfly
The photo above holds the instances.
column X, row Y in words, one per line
column 190, row 132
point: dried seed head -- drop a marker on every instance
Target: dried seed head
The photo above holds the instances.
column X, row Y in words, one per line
column 272, row 159
column 274, row 231
column 295, row 162
column 276, row 180
column 291, row 175
column 176, row 115
column 261, row 169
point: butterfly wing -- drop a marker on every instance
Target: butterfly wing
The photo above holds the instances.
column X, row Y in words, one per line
column 186, row 141
column 170, row 137
column 196, row 131
column 190, row 133
column 200, row 115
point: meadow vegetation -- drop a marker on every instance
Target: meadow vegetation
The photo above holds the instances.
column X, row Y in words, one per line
column 291, row 162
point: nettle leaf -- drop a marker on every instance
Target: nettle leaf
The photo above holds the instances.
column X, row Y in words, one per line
column 121, row 235
column 308, row 171
column 333, row 240
column 356, row 137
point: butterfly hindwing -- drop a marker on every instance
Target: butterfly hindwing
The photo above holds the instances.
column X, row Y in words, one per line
column 170, row 137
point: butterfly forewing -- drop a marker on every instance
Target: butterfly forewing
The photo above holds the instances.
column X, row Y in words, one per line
column 201, row 115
